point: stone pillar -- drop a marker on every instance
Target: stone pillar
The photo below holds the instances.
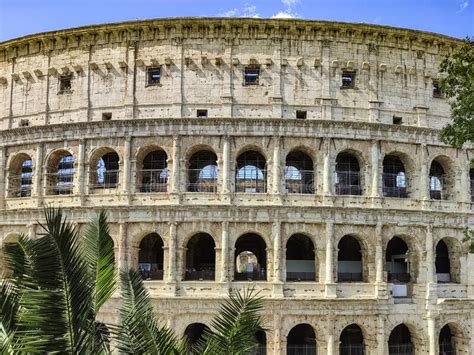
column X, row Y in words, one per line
column 32, row 229
column 225, row 252
column 330, row 287
column 424, row 182
column 379, row 257
column 431, row 291
column 375, row 169
column 80, row 176
column 277, row 339
column 330, row 344
column 326, row 100
column 38, row 173
column 226, row 166
column 175, row 172
column 176, row 70
column 381, row 342
column 3, row 171
column 432, row 338
column 123, row 248
column 227, row 78
column 276, row 172
column 277, row 97
column 126, row 166
column 276, row 232
column 327, row 174
column 462, row 193
column 172, row 253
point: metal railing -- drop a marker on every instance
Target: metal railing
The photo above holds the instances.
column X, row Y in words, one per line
column 447, row 348
column 20, row 186
column 151, row 275
column 398, row 277
column 349, row 276
column 299, row 181
column 438, row 188
column 300, row 276
column 394, row 185
column 348, row 183
column 301, row 349
column 60, row 183
column 251, row 276
column 400, row 349
column 351, row 349
column 259, row 349
column 153, row 180
column 200, row 275
column 255, row 182
column 202, row 180
column 106, row 180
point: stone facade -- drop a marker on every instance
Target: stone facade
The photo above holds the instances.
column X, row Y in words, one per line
column 306, row 153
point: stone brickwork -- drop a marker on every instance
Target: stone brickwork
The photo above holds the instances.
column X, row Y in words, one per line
column 107, row 108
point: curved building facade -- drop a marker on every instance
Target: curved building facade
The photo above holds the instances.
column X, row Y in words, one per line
column 298, row 157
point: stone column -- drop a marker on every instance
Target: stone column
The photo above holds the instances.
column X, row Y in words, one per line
column 123, row 249
column 176, row 55
column 175, row 172
column 424, row 182
column 327, row 174
column 3, row 171
column 38, row 190
column 330, row 344
column 381, row 342
column 330, row 287
column 432, row 338
column 277, row 98
column 375, row 169
column 276, row 166
column 462, row 194
column 225, row 252
column 126, row 166
column 276, row 232
column 80, row 178
column 431, row 291
column 226, row 166
column 379, row 258
column 172, row 253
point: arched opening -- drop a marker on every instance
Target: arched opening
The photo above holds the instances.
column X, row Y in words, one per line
column 397, row 261
column 200, row 258
column 251, row 173
column 394, row 177
column 299, row 173
column 301, row 340
column 20, row 176
column 202, row 172
column 349, row 260
column 399, row 342
column 8, row 242
column 150, row 257
column 153, row 172
column 437, row 182
column 193, row 335
column 348, row 176
column 447, row 343
column 106, row 172
column 300, row 259
column 60, row 174
column 351, row 341
column 250, row 258
column 471, row 178
column 442, row 263
column 261, row 347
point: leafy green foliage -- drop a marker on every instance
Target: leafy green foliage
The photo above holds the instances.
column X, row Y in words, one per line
column 457, row 85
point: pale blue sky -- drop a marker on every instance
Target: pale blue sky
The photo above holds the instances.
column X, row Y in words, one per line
column 450, row 17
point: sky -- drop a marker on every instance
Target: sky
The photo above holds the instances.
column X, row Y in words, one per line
column 22, row 17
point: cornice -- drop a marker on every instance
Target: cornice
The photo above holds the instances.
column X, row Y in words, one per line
column 176, row 29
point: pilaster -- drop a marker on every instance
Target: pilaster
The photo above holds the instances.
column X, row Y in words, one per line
column 330, row 286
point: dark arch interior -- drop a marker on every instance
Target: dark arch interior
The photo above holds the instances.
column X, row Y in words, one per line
column 394, row 177
column 108, row 170
column 348, row 179
column 349, row 260
column 300, row 259
column 399, row 341
column 245, row 246
column 193, row 334
column 61, row 174
column 154, row 174
column 446, row 341
column 437, row 181
column 299, row 173
column 251, row 173
column 301, row 340
column 261, row 338
column 202, row 172
column 396, row 258
column 150, row 257
column 351, row 341
column 443, row 265
column 200, row 258
column 23, row 183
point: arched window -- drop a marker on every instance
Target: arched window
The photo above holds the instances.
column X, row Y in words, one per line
column 194, row 334
column 399, row 342
column 251, row 173
column 447, row 343
column 153, row 175
column 250, row 258
column 261, row 348
column 202, row 172
column 106, row 173
column 348, row 177
column 301, row 340
column 397, row 261
column 437, row 182
column 394, row 177
column 300, row 263
column 200, row 258
column 60, row 174
column 443, row 264
column 349, row 260
column 150, row 257
column 299, row 173
column 20, row 178
column 351, row 341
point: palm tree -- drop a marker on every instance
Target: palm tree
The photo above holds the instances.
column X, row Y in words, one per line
column 58, row 284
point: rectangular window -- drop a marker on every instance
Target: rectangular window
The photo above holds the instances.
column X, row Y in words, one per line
column 153, row 75
column 436, row 89
column 106, row 116
column 65, row 84
column 348, row 79
column 251, row 75
column 301, row 115
column 24, row 123
column 397, row 120
column 201, row 113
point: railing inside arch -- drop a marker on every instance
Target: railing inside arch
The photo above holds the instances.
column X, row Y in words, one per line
column 20, row 185
column 351, row 349
column 400, row 349
column 438, row 188
column 447, row 348
column 394, row 185
column 251, row 180
column 348, row 183
column 259, row 349
column 299, row 181
column 61, row 183
column 106, row 180
column 153, row 180
column 256, row 275
column 301, row 349
column 203, row 180
column 199, row 275
column 300, row 276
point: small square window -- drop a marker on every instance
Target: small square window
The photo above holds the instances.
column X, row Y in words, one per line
column 65, row 84
column 153, row 75
column 436, row 89
column 348, row 79
column 397, row 120
column 251, row 75
column 106, row 116
column 301, row 115
column 24, row 123
column 201, row 113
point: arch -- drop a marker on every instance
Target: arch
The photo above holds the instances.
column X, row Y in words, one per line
column 250, row 258
column 397, row 261
column 152, row 170
column 349, row 260
column 104, row 167
column 60, row 173
column 9, row 239
column 251, row 172
column 453, row 339
column 261, row 347
column 447, row 261
column 394, row 177
column 299, row 173
column 441, row 178
column 202, row 172
column 150, row 257
column 194, row 334
column 446, row 341
column 20, row 176
column 348, row 174
column 301, row 340
column 400, row 342
column 351, row 341
column 300, row 259
column 200, row 258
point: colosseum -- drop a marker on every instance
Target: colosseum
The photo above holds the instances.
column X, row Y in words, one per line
column 298, row 157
